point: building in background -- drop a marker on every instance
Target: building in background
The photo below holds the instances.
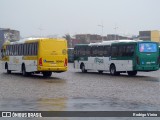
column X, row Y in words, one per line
column 93, row 38
column 74, row 42
column 117, row 37
column 7, row 34
column 88, row 38
column 153, row 35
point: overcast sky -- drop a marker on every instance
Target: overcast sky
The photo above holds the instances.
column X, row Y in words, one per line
column 59, row 17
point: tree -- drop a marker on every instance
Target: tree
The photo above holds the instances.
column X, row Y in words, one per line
column 69, row 39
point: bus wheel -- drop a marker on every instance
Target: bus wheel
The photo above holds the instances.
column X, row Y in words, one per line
column 112, row 70
column 24, row 73
column 47, row 74
column 8, row 71
column 132, row 73
column 100, row 71
column 83, row 69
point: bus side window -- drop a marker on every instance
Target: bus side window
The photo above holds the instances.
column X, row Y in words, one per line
column 82, row 51
column 94, row 51
column 100, row 51
column 13, row 49
column 29, row 49
column 76, row 51
column 24, row 49
column 114, row 50
column 17, row 49
column 91, row 51
column 35, row 48
column 79, row 51
column 72, row 52
column 106, row 51
column 130, row 50
column 88, row 53
column 20, row 49
column 121, row 51
column 9, row 50
column 32, row 48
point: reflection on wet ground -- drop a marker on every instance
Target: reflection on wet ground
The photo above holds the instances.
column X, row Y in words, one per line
column 74, row 104
column 123, row 76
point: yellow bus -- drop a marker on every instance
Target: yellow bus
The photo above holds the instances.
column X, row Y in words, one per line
column 35, row 55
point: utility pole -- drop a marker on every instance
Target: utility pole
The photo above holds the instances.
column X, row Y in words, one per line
column 115, row 28
column 102, row 30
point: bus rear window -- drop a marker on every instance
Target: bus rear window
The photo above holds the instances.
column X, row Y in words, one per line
column 147, row 47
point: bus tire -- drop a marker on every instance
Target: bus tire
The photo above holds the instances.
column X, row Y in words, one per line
column 47, row 74
column 83, row 68
column 100, row 71
column 6, row 67
column 24, row 73
column 132, row 73
column 113, row 70
column 8, row 71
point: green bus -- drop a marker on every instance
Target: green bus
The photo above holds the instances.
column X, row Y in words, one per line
column 117, row 56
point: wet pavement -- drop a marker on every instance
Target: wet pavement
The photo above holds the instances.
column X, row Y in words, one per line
column 73, row 104
column 75, row 91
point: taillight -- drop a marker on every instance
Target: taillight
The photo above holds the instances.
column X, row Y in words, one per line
column 65, row 62
column 137, row 60
column 40, row 62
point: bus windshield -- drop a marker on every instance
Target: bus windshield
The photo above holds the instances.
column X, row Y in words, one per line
column 147, row 47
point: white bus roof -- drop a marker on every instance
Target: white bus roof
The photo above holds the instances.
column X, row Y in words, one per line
column 29, row 39
column 113, row 41
column 98, row 43
column 24, row 40
column 70, row 48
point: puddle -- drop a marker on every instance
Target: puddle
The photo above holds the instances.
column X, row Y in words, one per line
column 74, row 104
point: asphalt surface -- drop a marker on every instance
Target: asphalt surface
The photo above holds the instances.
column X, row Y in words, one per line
column 73, row 91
